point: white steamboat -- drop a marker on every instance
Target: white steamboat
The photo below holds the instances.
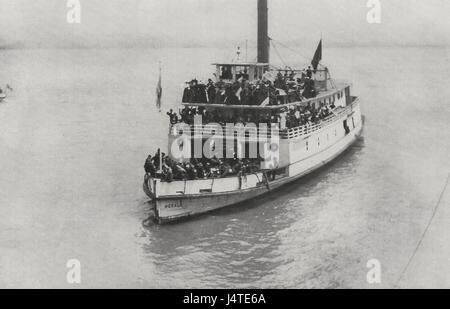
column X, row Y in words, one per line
column 301, row 149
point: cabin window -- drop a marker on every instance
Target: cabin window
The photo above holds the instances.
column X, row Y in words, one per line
column 259, row 72
column 307, row 146
column 226, row 72
column 242, row 72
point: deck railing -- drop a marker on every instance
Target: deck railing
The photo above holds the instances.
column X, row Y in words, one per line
column 312, row 128
column 198, row 131
column 321, row 97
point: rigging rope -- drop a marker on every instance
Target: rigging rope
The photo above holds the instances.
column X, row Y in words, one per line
column 430, row 221
column 333, row 85
column 308, row 60
column 278, row 53
column 291, row 49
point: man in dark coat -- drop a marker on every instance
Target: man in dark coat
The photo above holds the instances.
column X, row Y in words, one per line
column 150, row 167
column 188, row 94
column 211, row 90
column 309, row 72
column 173, row 117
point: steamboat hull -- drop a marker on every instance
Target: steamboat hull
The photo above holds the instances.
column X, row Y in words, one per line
column 171, row 208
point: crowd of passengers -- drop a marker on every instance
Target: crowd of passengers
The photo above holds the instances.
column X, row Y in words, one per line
column 198, row 168
column 292, row 117
column 170, row 170
column 242, row 92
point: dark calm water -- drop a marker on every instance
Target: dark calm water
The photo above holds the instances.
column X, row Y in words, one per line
column 76, row 130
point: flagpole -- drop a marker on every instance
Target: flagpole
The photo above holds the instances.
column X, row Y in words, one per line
column 160, row 86
column 160, row 160
column 159, row 89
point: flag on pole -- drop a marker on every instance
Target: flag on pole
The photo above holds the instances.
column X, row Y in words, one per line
column 159, row 91
column 317, row 57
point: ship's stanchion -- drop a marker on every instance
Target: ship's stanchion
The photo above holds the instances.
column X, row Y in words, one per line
column 241, row 179
column 212, row 184
column 266, row 180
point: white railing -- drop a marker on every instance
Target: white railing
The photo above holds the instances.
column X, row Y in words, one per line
column 199, row 131
column 312, row 128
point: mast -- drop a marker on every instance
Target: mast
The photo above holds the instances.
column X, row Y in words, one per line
column 263, row 35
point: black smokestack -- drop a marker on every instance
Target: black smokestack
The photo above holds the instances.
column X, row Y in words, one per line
column 263, row 35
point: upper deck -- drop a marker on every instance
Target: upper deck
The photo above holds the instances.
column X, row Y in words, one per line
column 329, row 95
column 338, row 100
column 257, row 86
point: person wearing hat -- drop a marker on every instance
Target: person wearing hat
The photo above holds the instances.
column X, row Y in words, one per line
column 201, row 173
column 188, row 94
column 309, row 72
column 195, row 91
column 211, row 91
column 167, row 173
column 149, row 167
column 173, row 117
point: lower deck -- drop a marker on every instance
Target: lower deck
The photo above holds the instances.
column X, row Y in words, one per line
column 298, row 156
